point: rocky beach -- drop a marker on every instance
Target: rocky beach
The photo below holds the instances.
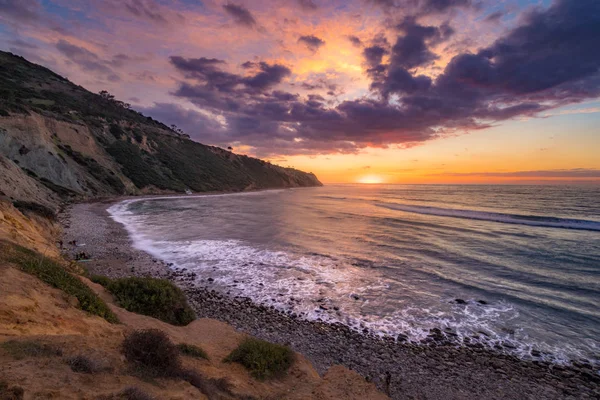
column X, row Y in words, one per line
column 437, row 368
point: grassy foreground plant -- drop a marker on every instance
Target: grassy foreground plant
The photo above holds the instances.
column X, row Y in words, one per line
column 152, row 353
column 20, row 349
column 192, row 351
column 157, row 298
column 54, row 274
column 263, row 359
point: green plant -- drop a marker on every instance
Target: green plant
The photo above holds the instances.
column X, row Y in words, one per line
column 263, row 359
column 152, row 353
column 52, row 273
column 101, row 280
column 29, row 348
column 157, row 298
column 192, row 351
column 116, row 131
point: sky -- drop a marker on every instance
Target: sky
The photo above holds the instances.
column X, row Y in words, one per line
column 370, row 91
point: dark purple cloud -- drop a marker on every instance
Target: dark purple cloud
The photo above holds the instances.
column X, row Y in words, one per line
column 312, row 42
column 144, row 9
column 374, row 55
column 267, row 76
column 422, row 7
column 208, row 72
column 494, row 17
column 355, row 40
column 308, row 5
column 23, row 44
column 241, row 15
column 549, row 61
column 20, row 10
column 443, row 5
column 86, row 60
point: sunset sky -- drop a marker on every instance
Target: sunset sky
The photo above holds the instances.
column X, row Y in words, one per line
column 394, row 91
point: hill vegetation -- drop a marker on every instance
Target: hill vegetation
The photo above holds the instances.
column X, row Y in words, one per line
column 73, row 144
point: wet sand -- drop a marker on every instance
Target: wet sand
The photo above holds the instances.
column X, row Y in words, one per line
column 436, row 370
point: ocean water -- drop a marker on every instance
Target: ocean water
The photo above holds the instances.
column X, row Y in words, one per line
column 524, row 261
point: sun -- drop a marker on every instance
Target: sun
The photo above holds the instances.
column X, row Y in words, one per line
column 370, row 179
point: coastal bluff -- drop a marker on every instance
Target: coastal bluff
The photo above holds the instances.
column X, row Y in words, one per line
column 60, row 142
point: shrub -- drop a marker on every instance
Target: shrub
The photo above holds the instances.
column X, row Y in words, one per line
column 133, row 393
column 262, row 359
column 116, row 131
column 53, row 274
column 152, row 353
column 36, row 208
column 101, row 280
column 29, row 348
column 84, row 364
column 10, row 392
column 157, row 298
column 212, row 388
column 130, row 393
column 192, row 351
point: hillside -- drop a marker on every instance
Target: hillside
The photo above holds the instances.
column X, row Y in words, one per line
column 53, row 347
column 59, row 141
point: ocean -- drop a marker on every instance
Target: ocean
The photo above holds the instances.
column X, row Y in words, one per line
column 516, row 268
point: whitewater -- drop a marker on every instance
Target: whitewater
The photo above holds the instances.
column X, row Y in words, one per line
column 512, row 267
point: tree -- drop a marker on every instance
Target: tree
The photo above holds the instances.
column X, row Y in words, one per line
column 106, row 96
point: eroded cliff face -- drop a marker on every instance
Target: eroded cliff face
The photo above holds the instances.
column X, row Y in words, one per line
column 44, row 159
column 59, row 141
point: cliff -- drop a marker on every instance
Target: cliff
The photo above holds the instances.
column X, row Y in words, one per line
column 59, row 141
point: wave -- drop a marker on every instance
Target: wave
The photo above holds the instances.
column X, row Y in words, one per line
column 530, row 220
column 332, row 197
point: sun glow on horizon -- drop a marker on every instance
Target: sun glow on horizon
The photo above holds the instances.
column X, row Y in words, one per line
column 371, row 179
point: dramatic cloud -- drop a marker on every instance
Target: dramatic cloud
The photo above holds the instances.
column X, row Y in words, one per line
column 313, row 43
column 494, row 17
column 443, row 5
column 151, row 11
column 241, row 15
column 20, row 10
column 86, row 60
column 423, row 7
column 323, row 77
column 355, row 40
column 308, row 5
column 518, row 75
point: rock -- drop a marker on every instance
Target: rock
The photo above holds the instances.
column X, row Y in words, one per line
column 460, row 301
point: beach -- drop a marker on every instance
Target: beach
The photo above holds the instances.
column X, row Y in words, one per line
column 438, row 369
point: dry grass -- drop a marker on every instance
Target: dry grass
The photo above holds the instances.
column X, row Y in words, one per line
column 54, row 274
column 20, row 349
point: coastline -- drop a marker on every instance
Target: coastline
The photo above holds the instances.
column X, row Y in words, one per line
column 437, row 371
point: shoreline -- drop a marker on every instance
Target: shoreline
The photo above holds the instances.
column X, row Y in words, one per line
column 403, row 370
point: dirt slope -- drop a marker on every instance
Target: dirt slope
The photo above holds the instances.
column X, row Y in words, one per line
column 32, row 311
